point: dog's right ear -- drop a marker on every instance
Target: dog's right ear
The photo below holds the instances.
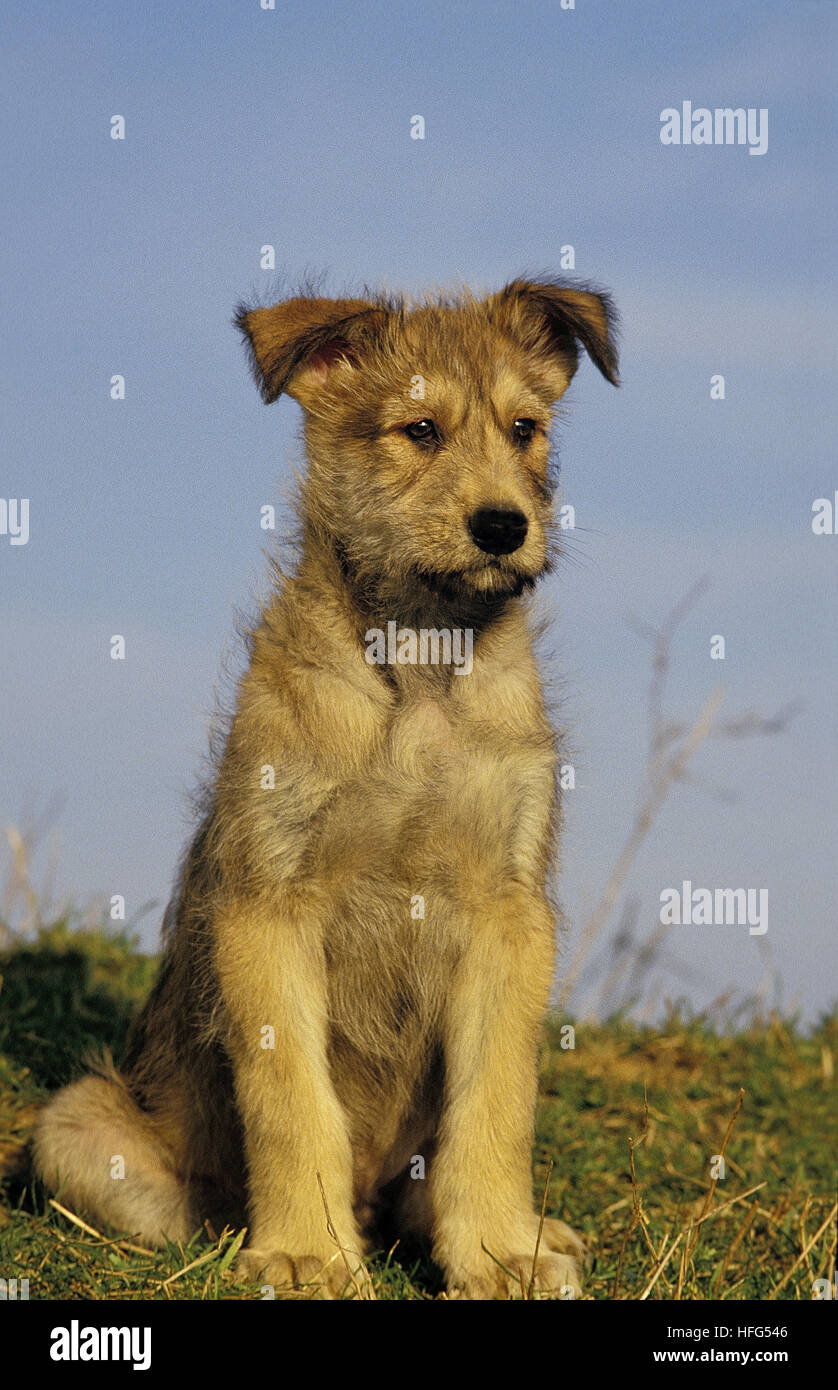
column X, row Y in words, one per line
column 294, row 345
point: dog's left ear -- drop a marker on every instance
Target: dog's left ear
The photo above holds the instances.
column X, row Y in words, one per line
column 552, row 319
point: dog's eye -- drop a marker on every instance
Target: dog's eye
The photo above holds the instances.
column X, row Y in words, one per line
column 523, row 430
column 422, row 432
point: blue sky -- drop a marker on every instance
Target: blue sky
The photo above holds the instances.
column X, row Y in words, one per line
column 292, row 127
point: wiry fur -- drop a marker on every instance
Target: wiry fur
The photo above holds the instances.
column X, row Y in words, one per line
column 393, row 1035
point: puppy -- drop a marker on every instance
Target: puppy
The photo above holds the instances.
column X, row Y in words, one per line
column 360, row 948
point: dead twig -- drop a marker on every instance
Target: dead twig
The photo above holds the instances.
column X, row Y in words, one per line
column 644, row 821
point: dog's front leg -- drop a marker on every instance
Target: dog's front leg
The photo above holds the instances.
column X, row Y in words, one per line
column 273, row 980
column 481, row 1185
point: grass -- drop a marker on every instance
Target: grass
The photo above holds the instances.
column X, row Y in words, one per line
column 630, row 1116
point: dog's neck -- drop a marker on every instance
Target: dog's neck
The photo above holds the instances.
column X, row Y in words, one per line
column 328, row 590
column 424, row 602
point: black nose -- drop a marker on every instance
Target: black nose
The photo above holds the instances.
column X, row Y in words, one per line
column 498, row 530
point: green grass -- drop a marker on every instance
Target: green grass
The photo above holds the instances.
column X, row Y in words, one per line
column 658, row 1101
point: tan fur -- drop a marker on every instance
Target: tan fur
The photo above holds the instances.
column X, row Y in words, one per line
column 394, row 1035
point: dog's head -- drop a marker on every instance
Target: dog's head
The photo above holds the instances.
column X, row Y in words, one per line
column 427, row 426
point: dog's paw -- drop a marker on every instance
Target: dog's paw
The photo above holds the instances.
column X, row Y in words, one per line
column 555, row 1276
column 308, row 1276
column 557, row 1235
column 494, row 1272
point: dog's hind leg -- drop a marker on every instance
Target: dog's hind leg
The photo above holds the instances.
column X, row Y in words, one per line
column 103, row 1156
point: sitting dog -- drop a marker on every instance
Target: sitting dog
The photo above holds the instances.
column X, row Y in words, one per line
column 360, row 948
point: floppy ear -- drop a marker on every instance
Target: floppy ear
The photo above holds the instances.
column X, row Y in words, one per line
column 552, row 319
column 293, row 345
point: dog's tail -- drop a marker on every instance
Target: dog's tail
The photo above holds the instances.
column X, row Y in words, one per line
column 104, row 1158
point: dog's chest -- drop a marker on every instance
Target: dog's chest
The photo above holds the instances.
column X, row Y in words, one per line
column 410, row 856
column 422, row 731
column 446, row 806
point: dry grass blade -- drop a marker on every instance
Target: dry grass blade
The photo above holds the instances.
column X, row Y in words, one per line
column 802, row 1256
column 715, row 1182
column 694, row 1227
column 718, row 1278
column 717, row 1211
column 531, row 1286
column 19, row 884
column 637, row 1215
column 225, row 1262
column 91, row 1231
column 194, row 1264
column 621, row 1256
column 370, row 1294
column 662, row 1263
